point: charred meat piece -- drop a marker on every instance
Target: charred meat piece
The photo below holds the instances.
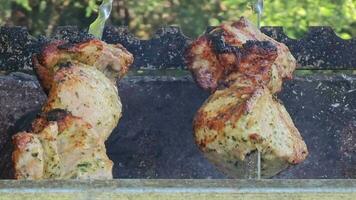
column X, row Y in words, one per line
column 212, row 55
column 63, row 149
column 243, row 69
column 83, row 107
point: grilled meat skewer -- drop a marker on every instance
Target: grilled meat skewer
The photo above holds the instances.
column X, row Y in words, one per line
column 243, row 69
column 83, row 107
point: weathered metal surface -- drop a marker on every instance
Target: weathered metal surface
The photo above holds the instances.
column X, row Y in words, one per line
column 164, row 50
column 15, row 49
column 19, row 94
column 320, row 48
column 154, row 138
column 180, row 189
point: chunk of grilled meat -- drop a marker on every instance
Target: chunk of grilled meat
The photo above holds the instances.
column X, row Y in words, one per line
column 243, row 68
column 65, row 148
column 211, row 56
column 83, row 107
column 112, row 60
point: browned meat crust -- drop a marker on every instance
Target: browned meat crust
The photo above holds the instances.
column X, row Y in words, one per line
column 243, row 68
column 83, row 107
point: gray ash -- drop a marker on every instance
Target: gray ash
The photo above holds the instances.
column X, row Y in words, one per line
column 72, row 34
column 15, row 49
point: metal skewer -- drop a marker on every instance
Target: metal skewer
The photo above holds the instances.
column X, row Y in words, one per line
column 97, row 27
column 259, row 10
column 273, row 166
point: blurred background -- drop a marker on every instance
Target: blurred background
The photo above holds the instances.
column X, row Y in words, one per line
column 143, row 17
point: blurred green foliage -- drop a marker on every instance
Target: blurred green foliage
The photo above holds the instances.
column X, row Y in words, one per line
column 145, row 16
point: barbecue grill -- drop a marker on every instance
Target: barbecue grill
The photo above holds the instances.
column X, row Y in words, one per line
column 154, row 138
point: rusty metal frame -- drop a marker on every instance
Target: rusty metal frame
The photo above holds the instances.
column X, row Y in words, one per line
column 179, row 189
column 319, row 49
